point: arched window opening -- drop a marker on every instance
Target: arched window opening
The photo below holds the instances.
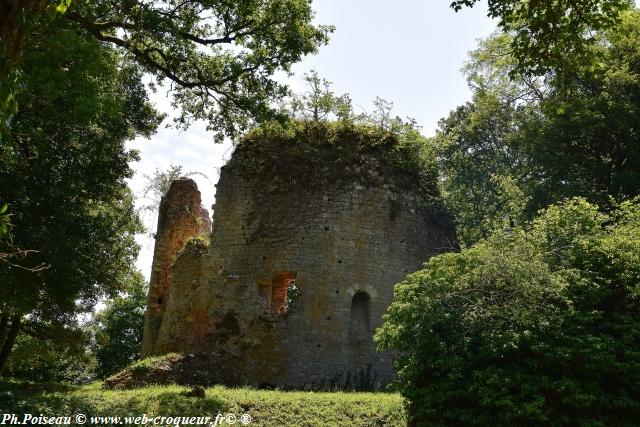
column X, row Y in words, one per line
column 360, row 336
column 360, row 343
column 360, row 321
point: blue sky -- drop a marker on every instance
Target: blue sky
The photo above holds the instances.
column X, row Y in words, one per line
column 408, row 52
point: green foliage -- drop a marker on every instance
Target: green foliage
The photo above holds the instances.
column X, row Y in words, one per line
column 147, row 364
column 478, row 151
column 17, row 20
column 319, row 102
column 479, row 145
column 536, row 325
column 197, row 243
column 63, row 172
column 4, row 219
column 118, row 328
column 9, row 87
column 548, row 35
column 218, row 56
column 51, row 360
column 293, row 295
column 491, row 68
column 158, row 184
column 58, row 7
column 266, row 407
column 381, row 115
column 565, row 135
column 316, row 153
column 585, row 142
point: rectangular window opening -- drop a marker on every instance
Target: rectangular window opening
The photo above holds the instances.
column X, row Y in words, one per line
column 280, row 285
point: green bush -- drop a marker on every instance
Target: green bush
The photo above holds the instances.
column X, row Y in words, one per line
column 118, row 327
column 62, row 360
column 536, row 325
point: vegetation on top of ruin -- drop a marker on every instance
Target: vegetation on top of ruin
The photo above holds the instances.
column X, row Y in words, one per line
column 324, row 142
column 324, row 146
column 196, row 245
column 157, row 186
column 317, row 153
column 311, row 158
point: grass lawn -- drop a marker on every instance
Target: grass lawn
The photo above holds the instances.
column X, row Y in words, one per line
column 266, row 407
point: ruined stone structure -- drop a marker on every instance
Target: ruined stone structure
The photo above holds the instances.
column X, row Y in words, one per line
column 300, row 268
column 180, row 217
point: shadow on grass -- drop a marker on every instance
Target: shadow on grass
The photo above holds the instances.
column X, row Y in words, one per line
column 42, row 398
column 62, row 399
column 167, row 403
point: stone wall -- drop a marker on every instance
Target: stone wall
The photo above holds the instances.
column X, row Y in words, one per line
column 180, row 217
column 343, row 245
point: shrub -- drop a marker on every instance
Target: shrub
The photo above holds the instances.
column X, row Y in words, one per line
column 535, row 325
column 63, row 359
column 118, row 328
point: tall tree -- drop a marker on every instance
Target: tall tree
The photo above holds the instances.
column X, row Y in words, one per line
column 219, row 57
column 588, row 141
column 564, row 134
column 319, row 102
column 477, row 150
column 552, row 34
column 62, row 172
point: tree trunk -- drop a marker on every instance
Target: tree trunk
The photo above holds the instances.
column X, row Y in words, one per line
column 7, row 345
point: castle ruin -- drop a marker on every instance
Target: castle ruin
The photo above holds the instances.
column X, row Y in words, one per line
column 308, row 241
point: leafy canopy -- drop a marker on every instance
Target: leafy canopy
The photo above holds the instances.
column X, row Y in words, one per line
column 534, row 325
column 561, row 135
column 17, row 20
column 552, row 34
column 218, row 56
column 63, row 171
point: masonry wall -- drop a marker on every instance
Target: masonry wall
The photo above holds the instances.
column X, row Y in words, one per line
column 345, row 245
column 180, row 217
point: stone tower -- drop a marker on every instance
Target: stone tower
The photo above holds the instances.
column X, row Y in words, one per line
column 180, row 217
column 309, row 241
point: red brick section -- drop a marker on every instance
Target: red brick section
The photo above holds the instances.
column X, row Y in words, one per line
column 279, row 287
column 180, row 217
column 201, row 328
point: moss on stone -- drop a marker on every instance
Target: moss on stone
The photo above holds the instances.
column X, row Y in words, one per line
column 197, row 244
column 316, row 154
